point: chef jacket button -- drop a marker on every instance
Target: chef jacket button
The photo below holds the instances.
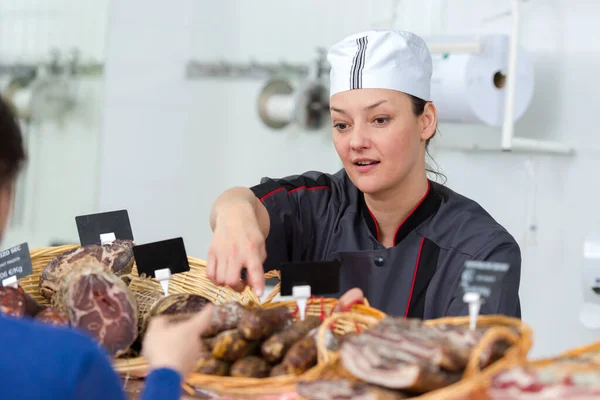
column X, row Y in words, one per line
column 379, row 261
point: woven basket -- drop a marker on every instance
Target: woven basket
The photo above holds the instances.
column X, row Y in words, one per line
column 196, row 281
column 474, row 380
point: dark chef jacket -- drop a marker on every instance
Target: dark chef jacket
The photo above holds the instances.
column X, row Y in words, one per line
column 318, row 216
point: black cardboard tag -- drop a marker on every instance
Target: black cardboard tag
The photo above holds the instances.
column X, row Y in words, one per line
column 168, row 253
column 15, row 261
column 322, row 276
column 91, row 226
column 482, row 277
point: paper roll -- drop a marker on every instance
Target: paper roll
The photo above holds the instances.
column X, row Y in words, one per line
column 470, row 88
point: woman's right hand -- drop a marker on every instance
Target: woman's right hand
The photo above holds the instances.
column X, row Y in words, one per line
column 237, row 243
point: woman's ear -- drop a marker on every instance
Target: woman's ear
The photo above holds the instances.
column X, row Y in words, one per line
column 428, row 121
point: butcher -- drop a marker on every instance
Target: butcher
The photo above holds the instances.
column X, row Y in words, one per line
column 402, row 237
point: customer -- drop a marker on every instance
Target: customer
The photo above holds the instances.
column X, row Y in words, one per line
column 45, row 362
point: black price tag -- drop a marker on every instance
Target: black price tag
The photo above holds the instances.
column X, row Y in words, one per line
column 482, row 277
column 169, row 254
column 15, row 261
column 91, row 226
column 323, row 277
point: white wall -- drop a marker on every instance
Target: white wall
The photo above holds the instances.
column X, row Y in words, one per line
column 170, row 146
column 61, row 177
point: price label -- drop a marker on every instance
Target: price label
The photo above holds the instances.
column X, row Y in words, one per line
column 169, row 254
column 323, row 277
column 16, row 262
column 93, row 227
column 482, row 277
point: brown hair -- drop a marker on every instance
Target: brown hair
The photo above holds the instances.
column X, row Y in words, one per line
column 12, row 152
column 418, row 107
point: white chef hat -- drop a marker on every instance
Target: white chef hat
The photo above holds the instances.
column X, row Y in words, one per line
column 381, row 59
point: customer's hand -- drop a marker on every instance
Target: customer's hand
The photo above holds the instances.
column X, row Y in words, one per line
column 176, row 345
column 348, row 299
column 237, row 243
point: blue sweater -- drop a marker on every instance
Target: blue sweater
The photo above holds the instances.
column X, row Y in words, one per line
column 44, row 362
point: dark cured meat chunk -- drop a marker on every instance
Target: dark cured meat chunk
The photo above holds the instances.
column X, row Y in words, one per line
column 116, row 257
column 251, row 367
column 225, row 317
column 341, row 389
column 12, row 302
column 32, row 307
column 209, row 365
column 98, row 302
column 53, row 316
column 261, row 323
column 275, row 347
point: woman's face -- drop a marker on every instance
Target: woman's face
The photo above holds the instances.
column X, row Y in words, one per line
column 378, row 138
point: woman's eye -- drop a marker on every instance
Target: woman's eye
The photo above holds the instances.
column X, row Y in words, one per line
column 340, row 126
column 381, row 120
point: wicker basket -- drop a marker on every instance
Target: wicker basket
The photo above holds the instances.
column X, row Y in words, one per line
column 196, row 281
column 474, row 380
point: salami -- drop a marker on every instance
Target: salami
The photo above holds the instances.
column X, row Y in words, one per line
column 301, row 356
column 230, row 346
column 99, row 303
column 341, row 389
column 274, row 348
column 225, row 317
column 116, row 257
column 209, row 365
column 12, row 302
column 53, row 316
column 180, row 303
column 32, row 307
column 251, row 367
column 261, row 323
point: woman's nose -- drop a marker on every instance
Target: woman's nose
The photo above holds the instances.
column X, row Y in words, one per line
column 359, row 139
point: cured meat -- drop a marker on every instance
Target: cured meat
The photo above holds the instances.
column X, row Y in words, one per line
column 301, row 356
column 209, row 365
column 116, row 257
column 53, row 316
column 379, row 365
column 99, row 303
column 565, row 379
column 231, row 346
column 180, row 303
column 261, row 323
column 278, row 370
column 275, row 347
column 251, row 367
column 341, row 389
column 12, row 302
column 32, row 307
column 225, row 317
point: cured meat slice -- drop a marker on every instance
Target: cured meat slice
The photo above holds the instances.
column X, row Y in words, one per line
column 53, row 316
column 116, row 257
column 99, row 303
column 341, row 389
column 180, row 303
column 32, row 307
column 12, row 302
column 375, row 363
column 565, row 379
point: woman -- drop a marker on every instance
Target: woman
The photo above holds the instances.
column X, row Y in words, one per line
column 44, row 362
column 403, row 240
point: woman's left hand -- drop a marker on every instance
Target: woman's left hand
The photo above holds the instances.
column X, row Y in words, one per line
column 348, row 299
